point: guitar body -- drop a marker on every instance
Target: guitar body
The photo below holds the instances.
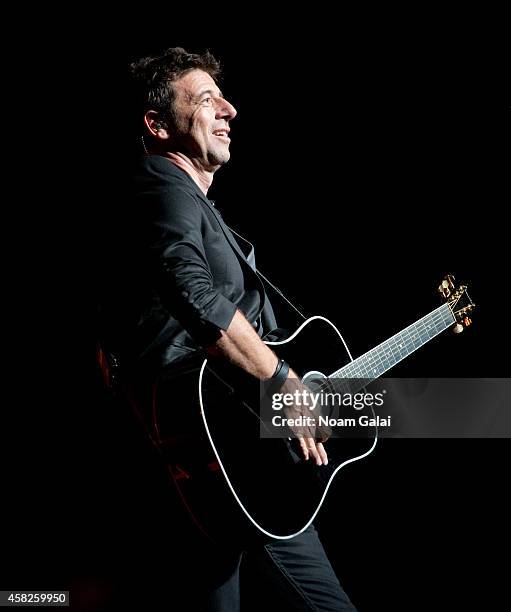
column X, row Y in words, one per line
column 266, row 482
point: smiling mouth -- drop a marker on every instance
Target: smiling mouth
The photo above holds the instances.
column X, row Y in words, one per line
column 224, row 134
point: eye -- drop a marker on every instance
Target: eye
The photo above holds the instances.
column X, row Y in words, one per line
column 208, row 100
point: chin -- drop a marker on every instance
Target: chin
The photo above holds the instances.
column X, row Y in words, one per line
column 220, row 158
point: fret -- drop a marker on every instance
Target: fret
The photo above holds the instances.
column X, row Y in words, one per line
column 375, row 362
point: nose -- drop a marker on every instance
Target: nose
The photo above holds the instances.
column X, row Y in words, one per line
column 225, row 110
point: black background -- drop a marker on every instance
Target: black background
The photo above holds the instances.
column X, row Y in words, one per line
column 367, row 162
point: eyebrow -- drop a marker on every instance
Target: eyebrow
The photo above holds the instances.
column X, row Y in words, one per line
column 211, row 92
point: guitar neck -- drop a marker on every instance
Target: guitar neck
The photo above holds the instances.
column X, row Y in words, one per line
column 386, row 355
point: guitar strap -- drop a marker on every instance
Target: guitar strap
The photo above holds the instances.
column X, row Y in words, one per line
column 249, row 257
column 264, row 279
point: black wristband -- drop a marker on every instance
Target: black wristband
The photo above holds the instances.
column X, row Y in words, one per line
column 280, row 363
column 280, row 376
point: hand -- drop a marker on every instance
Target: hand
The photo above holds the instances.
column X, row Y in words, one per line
column 311, row 435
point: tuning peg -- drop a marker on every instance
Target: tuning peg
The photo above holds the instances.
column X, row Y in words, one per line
column 458, row 328
column 446, row 286
column 444, row 290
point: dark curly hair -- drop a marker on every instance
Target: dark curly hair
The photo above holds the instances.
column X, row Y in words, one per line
column 152, row 79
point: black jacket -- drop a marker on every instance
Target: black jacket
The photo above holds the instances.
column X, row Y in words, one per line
column 181, row 274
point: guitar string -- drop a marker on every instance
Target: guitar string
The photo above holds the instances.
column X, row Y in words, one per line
column 438, row 321
column 405, row 340
column 384, row 356
column 425, row 329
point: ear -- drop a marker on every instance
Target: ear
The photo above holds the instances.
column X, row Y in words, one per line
column 156, row 126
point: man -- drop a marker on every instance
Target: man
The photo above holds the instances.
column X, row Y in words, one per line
column 193, row 291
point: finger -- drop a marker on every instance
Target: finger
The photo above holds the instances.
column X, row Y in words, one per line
column 322, row 453
column 311, row 444
column 305, row 450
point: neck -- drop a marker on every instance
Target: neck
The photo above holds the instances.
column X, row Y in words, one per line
column 386, row 355
column 202, row 177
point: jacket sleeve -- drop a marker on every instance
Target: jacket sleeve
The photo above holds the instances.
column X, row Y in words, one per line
column 183, row 275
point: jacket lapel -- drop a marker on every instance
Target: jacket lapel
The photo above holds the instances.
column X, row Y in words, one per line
column 235, row 246
column 230, row 238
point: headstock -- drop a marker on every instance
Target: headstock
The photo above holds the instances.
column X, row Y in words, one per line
column 459, row 302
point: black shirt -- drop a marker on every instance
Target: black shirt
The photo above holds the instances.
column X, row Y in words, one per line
column 182, row 273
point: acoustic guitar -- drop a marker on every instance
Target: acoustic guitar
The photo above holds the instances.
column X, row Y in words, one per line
column 271, row 486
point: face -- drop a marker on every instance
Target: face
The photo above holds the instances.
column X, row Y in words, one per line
column 202, row 118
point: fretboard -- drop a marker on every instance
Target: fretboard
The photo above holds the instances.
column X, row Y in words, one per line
column 386, row 355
